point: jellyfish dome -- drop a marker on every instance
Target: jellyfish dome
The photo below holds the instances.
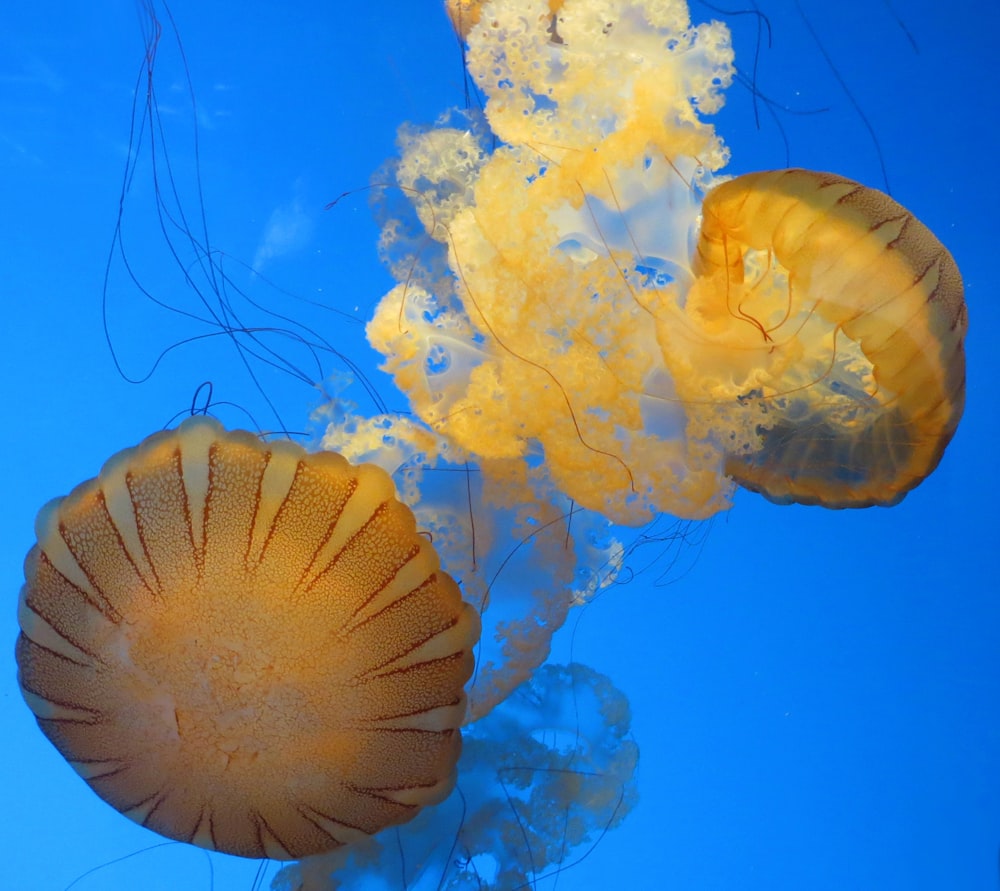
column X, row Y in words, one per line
column 244, row 646
column 251, row 648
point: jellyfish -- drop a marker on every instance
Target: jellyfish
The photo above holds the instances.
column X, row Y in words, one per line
column 666, row 333
column 594, row 325
column 250, row 648
column 244, row 646
column 867, row 326
column 542, row 777
column 591, row 331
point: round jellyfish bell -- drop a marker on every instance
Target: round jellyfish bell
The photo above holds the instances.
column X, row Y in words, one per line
column 245, row 646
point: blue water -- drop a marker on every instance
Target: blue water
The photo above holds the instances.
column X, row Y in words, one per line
column 814, row 693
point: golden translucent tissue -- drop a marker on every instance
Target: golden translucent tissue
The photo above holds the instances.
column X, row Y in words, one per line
column 245, row 646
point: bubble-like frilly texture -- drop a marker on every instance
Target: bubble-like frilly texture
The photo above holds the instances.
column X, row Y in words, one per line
column 560, row 306
column 515, row 330
column 488, row 460
column 579, row 346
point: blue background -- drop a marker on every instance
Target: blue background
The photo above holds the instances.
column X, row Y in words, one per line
column 815, row 693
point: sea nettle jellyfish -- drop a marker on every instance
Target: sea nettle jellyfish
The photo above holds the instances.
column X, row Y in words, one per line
column 580, row 289
column 253, row 649
column 244, row 646
column 593, row 326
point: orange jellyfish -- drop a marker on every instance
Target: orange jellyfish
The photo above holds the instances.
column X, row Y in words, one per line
column 854, row 330
column 244, row 646
column 591, row 326
column 580, row 289
column 250, row 648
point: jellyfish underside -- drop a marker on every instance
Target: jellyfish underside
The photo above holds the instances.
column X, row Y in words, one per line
column 244, row 646
column 869, row 303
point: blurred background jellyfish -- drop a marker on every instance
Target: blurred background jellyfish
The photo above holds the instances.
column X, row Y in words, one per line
column 542, row 778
